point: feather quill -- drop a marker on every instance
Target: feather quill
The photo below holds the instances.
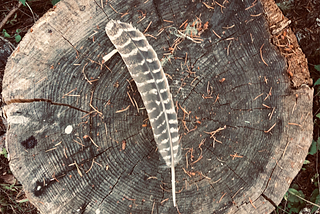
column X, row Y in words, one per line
column 145, row 69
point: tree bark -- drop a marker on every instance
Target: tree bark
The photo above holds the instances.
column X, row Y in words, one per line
column 78, row 135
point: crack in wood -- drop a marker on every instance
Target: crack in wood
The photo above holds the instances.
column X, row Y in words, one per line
column 268, row 199
column 12, row 101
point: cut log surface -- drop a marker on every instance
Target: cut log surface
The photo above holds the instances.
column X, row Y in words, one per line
column 78, row 134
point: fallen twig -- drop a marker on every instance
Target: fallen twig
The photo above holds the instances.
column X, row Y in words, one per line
column 4, row 21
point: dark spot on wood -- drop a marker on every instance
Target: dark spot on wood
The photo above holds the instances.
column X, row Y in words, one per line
column 38, row 189
column 82, row 8
column 49, row 31
column 29, row 143
column 145, row 177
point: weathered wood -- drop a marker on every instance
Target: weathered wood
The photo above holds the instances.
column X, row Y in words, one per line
column 244, row 129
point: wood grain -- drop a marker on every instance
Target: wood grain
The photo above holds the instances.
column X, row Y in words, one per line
column 246, row 129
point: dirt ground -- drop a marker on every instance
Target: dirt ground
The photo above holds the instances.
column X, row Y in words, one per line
column 305, row 23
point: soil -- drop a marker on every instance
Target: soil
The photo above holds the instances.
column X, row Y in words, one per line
column 305, row 24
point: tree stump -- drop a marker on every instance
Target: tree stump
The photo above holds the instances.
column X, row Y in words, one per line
column 78, row 135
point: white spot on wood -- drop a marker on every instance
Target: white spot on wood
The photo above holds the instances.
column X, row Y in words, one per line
column 38, row 188
column 68, row 129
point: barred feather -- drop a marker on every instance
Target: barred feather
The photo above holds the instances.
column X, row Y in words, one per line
column 145, row 69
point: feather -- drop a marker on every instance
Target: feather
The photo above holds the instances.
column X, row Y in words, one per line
column 145, row 69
